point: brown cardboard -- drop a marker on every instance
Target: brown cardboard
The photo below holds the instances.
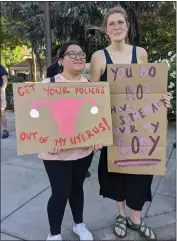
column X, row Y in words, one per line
column 154, row 82
column 74, row 127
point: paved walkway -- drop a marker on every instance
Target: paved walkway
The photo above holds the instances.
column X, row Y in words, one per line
column 25, row 192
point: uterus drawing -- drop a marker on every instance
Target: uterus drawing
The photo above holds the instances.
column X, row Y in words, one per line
column 64, row 112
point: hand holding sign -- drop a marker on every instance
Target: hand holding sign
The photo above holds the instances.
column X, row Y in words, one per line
column 55, row 150
column 167, row 98
column 97, row 147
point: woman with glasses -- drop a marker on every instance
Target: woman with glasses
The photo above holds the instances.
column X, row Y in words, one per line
column 67, row 169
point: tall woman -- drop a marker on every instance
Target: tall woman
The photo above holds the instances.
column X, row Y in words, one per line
column 67, row 169
column 135, row 190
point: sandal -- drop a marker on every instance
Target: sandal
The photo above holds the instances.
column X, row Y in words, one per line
column 121, row 224
column 142, row 229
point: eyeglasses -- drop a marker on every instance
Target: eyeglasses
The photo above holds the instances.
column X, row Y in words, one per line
column 73, row 55
column 114, row 24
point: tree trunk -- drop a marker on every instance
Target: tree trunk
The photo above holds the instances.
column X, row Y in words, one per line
column 39, row 62
column 34, row 67
column 33, row 64
column 9, row 72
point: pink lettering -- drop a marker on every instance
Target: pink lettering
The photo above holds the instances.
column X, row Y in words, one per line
column 136, row 116
column 147, row 89
column 121, row 144
column 116, row 131
column 121, row 73
column 143, row 72
column 144, row 144
column 147, row 126
column 147, row 109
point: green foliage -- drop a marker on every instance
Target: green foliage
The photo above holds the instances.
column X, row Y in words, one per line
column 7, row 38
column 9, row 97
column 171, row 61
column 69, row 21
column 152, row 26
column 172, row 88
column 158, row 31
column 78, row 17
column 25, row 20
column 10, row 57
column 9, row 91
column 12, row 46
column 16, row 79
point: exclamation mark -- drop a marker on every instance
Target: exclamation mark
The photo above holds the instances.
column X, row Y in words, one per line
column 106, row 124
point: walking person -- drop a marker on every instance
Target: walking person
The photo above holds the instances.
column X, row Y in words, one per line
column 3, row 86
column 67, row 169
column 135, row 190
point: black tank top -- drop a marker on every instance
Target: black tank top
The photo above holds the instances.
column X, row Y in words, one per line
column 109, row 61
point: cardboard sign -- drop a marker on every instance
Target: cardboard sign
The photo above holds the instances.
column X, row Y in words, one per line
column 139, row 118
column 70, row 115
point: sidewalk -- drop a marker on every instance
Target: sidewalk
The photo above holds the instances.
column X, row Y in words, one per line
column 25, row 192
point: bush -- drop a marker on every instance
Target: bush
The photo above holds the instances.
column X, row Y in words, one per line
column 172, row 88
column 9, row 91
column 171, row 85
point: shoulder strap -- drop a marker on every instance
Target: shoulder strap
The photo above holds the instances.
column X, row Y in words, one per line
column 108, row 58
column 52, row 79
column 134, row 56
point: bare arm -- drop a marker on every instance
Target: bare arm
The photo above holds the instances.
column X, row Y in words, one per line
column 142, row 56
column 5, row 82
column 95, row 68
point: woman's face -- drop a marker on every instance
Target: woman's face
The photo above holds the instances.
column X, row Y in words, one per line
column 74, row 59
column 116, row 27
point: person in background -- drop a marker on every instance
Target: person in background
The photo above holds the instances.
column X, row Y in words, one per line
column 53, row 70
column 3, row 85
column 67, row 169
column 126, row 189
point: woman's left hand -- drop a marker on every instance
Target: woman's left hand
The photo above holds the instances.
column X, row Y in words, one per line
column 96, row 147
column 167, row 98
column 54, row 151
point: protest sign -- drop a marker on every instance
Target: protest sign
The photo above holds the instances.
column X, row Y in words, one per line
column 139, row 118
column 69, row 115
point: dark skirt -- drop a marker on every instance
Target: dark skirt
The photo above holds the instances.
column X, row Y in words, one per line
column 135, row 189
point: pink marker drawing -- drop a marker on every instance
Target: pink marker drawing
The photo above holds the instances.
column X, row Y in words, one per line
column 64, row 112
column 137, row 162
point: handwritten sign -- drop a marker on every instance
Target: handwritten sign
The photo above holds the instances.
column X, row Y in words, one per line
column 139, row 118
column 68, row 115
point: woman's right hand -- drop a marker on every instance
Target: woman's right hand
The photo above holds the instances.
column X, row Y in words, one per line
column 97, row 147
column 55, row 150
